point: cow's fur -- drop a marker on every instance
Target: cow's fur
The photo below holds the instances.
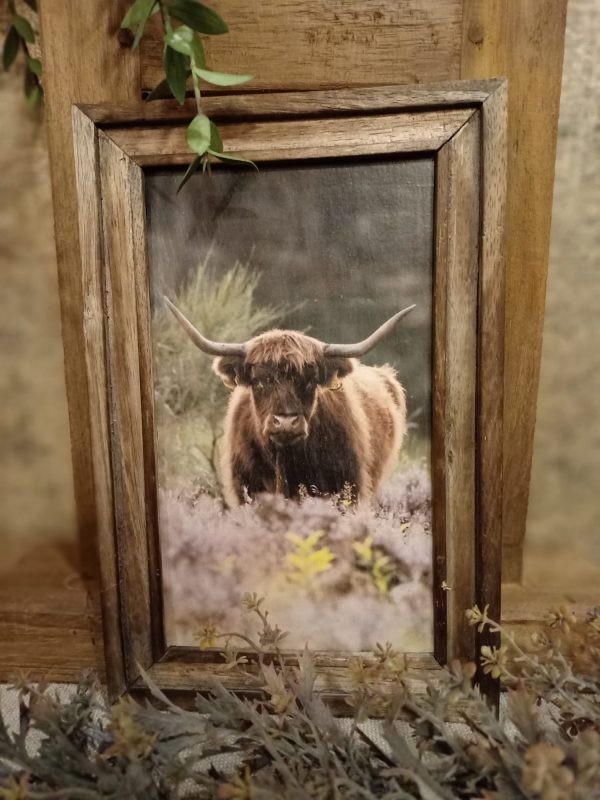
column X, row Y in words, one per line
column 354, row 418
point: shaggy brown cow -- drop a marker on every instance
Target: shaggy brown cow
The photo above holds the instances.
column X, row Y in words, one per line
column 305, row 416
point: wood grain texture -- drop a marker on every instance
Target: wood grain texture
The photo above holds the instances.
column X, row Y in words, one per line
column 439, row 452
column 333, row 676
column 229, row 107
column 461, row 170
column 333, row 44
column 146, row 385
column 79, row 45
column 123, row 231
column 92, row 279
column 306, row 138
column 525, row 42
column 490, row 366
column 50, row 620
column 484, row 38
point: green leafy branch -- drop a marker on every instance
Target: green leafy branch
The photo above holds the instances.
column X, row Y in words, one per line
column 184, row 58
column 18, row 38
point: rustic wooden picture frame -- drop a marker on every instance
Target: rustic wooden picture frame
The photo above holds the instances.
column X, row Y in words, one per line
column 463, row 127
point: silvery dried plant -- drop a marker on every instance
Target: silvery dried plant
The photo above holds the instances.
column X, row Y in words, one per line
column 286, row 743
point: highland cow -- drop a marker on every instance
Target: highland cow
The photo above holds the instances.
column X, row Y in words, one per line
column 306, row 417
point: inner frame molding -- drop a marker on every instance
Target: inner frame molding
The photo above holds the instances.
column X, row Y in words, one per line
column 463, row 127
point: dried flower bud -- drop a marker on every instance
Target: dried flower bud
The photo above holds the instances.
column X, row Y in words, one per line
column 208, row 636
column 477, row 617
column 561, row 617
column 543, row 772
column 493, row 660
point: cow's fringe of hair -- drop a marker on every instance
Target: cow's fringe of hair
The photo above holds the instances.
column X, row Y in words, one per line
column 284, row 347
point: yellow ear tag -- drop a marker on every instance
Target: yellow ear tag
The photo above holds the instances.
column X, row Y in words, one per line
column 229, row 384
column 335, row 384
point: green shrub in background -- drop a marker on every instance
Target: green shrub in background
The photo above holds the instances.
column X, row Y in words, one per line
column 190, row 400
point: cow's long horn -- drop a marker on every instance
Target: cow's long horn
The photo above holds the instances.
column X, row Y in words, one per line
column 362, row 348
column 212, row 348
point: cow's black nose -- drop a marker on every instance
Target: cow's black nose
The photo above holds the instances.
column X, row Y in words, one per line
column 286, row 423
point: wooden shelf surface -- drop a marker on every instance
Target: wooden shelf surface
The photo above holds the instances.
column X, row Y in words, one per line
column 50, row 622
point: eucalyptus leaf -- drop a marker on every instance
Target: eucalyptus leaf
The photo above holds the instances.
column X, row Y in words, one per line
column 33, row 90
column 221, row 78
column 181, row 39
column 187, row 42
column 141, row 27
column 161, row 91
column 34, row 96
column 11, row 48
column 198, row 57
column 138, row 12
column 137, row 17
column 230, row 157
column 177, row 70
column 24, row 28
column 193, row 168
column 198, row 134
column 198, row 16
column 216, row 143
column 34, row 65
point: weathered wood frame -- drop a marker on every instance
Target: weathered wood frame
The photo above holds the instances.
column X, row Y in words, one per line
column 463, row 127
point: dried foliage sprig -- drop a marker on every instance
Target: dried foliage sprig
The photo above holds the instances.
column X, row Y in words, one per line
column 20, row 37
column 184, row 21
column 286, row 743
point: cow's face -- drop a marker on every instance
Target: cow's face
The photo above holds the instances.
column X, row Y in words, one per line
column 284, row 394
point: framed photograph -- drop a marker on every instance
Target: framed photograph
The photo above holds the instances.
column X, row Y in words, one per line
column 295, row 375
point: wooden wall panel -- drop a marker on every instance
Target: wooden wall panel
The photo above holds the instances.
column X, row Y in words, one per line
column 523, row 41
column 316, row 44
column 333, row 44
column 83, row 63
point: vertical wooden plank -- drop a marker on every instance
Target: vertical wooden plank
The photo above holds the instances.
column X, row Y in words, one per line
column 144, row 331
column 484, row 38
column 523, row 41
column 490, row 365
column 461, row 164
column 122, row 198
column 87, row 173
column 438, row 406
column 83, row 63
column 536, row 38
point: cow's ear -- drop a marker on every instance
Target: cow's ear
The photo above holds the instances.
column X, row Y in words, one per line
column 230, row 369
column 335, row 370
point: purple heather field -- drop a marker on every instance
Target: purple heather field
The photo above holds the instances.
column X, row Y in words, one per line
column 336, row 577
